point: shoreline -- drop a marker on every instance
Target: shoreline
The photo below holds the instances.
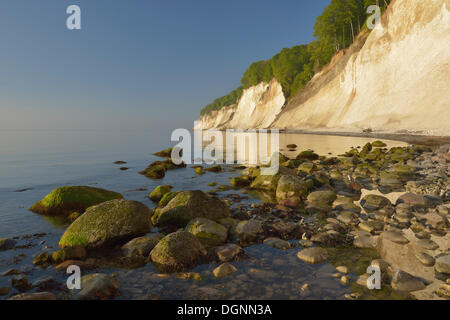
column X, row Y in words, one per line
column 404, row 137
column 421, row 139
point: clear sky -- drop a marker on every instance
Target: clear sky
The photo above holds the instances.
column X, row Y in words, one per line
column 136, row 64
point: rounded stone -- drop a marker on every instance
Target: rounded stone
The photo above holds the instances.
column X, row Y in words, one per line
column 107, row 224
column 209, row 233
column 177, row 252
column 442, row 264
column 427, row 244
column 65, row 200
column 224, row 270
column 314, row 255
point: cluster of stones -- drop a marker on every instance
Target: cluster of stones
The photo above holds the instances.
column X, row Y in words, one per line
column 339, row 195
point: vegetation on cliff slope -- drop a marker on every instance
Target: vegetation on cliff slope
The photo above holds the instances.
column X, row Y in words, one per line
column 335, row 29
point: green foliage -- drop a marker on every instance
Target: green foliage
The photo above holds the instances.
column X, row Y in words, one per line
column 231, row 98
column 335, row 29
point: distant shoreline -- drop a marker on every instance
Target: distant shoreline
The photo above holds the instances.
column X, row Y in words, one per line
column 405, row 137
column 429, row 140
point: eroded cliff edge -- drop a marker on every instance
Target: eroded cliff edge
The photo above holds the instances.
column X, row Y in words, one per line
column 393, row 79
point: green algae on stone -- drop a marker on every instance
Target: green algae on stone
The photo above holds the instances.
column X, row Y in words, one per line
column 167, row 197
column 167, row 153
column 215, row 168
column 188, row 205
column 107, row 224
column 178, row 252
column 69, row 253
column 157, row 194
column 307, row 155
column 240, row 182
column 42, row 259
column 7, row 244
column 209, row 233
column 379, row 144
column 199, row 170
column 65, row 200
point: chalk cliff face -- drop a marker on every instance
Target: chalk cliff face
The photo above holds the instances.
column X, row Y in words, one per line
column 394, row 79
column 257, row 108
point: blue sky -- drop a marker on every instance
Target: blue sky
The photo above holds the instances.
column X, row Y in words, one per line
column 136, row 64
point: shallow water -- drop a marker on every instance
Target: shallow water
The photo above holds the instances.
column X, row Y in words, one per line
column 35, row 163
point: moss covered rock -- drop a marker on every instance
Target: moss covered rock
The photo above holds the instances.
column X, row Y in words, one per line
column 291, row 187
column 157, row 194
column 322, row 197
column 308, row 155
column 65, row 200
column 69, row 253
column 214, row 168
column 178, row 252
column 379, row 144
column 7, row 244
column 167, row 153
column 199, row 170
column 166, row 198
column 141, row 246
column 307, row 167
column 373, row 202
column 42, row 259
column 240, row 182
column 188, row 205
column 107, row 224
column 209, row 233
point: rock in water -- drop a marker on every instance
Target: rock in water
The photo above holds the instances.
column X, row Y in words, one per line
column 249, row 230
column 188, row 205
column 159, row 192
column 178, row 252
column 65, row 200
column 230, row 252
column 98, row 286
column 107, row 224
column 373, row 202
column 313, row 255
column 291, row 187
column 224, row 270
column 7, row 244
column 141, row 247
column 209, row 233
column 322, row 197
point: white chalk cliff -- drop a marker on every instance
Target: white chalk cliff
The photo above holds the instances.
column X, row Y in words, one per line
column 395, row 78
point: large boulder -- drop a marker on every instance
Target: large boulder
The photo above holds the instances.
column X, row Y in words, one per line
column 178, row 252
column 66, row 200
column 209, row 233
column 188, row 205
column 404, row 255
column 291, row 187
column 107, row 224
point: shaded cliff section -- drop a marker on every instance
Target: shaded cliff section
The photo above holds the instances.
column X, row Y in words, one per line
column 394, row 79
